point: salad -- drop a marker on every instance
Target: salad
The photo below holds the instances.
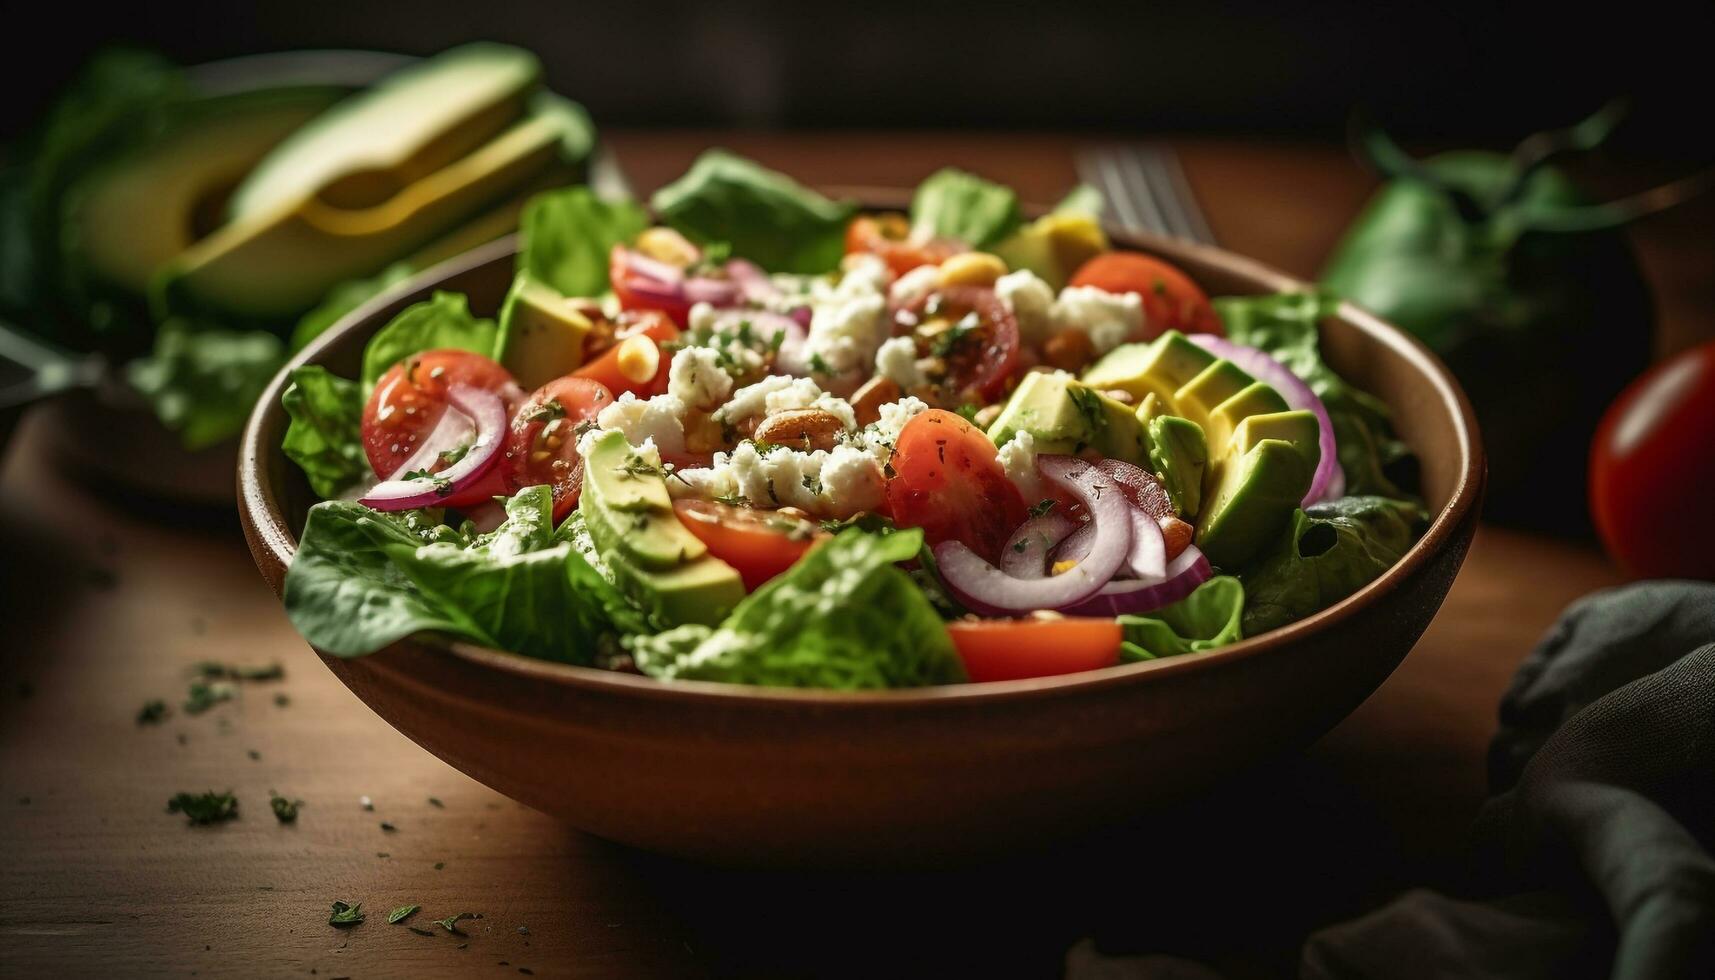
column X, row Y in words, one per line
column 768, row 438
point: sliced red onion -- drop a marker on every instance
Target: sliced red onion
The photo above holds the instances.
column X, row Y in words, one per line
column 1328, row 482
column 452, row 431
column 715, row 292
column 647, row 268
column 487, row 412
column 1077, row 547
column 1026, row 552
column 986, row 589
column 1119, row 598
column 751, row 280
column 1148, row 555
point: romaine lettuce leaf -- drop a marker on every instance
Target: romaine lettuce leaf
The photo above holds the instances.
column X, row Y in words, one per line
column 442, row 321
column 1205, row 619
column 951, row 203
column 1284, row 326
column 843, row 618
column 764, row 215
column 1325, row 555
column 364, row 579
column 202, row 382
column 567, row 236
column 325, row 436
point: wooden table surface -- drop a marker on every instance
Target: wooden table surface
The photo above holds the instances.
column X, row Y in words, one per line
column 107, row 603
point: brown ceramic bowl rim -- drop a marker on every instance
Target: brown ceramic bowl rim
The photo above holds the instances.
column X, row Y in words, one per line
column 273, row 540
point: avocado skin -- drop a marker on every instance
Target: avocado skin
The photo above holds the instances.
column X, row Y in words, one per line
column 541, row 334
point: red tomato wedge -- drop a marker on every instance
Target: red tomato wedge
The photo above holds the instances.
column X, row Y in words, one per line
column 947, row 480
column 759, row 544
column 408, row 402
column 1009, row 649
column 982, row 362
column 542, row 445
column 1171, row 301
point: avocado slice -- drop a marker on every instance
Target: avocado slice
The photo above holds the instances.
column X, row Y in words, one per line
column 127, row 219
column 412, row 124
column 1255, row 399
column 1212, row 386
column 276, row 265
column 1178, row 453
column 1067, row 416
column 541, row 333
column 1161, row 367
column 1253, row 490
column 1054, row 246
column 654, row 559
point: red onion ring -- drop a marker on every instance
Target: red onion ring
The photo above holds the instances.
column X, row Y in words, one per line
column 452, row 431
column 1026, row 552
column 1120, row 598
column 1329, row 481
column 986, row 589
column 487, row 412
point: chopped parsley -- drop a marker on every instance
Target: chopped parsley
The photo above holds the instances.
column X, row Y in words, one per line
column 214, row 670
column 635, row 466
column 343, row 915
column 402, row 913
column 968, row 411
column 1043, row 507
column 818, row 365
column 442, row 485
column 812, row 484
column 153, row 712
column 205, row 695
column 285, row 810
column 451, row 922
column 949, row 340
column 454, row 454
column 387, row 826
column 547, row 412
column 202, row 809
column 733, row 500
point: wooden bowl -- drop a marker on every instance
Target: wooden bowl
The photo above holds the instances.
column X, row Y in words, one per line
column 768, row 777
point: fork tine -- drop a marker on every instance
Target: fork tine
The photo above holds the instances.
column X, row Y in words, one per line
column 1136, row 182
column 1093, row 169
column 1165, row 176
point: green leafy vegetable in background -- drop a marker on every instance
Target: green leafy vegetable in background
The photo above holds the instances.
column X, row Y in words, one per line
column 363, row 579
column 764, row 215
column 202, row 383
column 951, row 203
column 345, row 915
column 344, row 298
column 441, row 321
column 1205, row 619
column 1328, row 553
column 285, row 810
column 1284, row 326
column 842, row 618
column 325, row 435
column 567, row 236
column 206, row 808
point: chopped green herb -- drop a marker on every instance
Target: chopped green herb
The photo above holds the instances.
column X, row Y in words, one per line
column 451, row 922
column 733, row 499
column 388, row 827
column 285, row 810
column 153, row 712
column 818, row 365
column 548, row 412
column 281, row 700
column 968, row 411
column 255, row 756
column 402, row 913
column 205, row 695
column 436, row 802
column 345, row 915
column 813, row 484
column 454, row 454
column 443, row 486
column 1042, row 507
column 214, row 670
column 439, row 865
column 205, row 808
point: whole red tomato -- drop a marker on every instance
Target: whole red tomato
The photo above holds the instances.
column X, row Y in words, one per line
column 1652, row 470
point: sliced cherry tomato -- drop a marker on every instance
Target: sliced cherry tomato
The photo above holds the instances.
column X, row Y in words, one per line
column 1011, row 649
column 615, row 368
column 1171, row 301
column 948, row 481
column 542, row 445
column 981, row 346
column 889, row 236
column 760, row 544
column 408, row 402
column 1651, row 468
column 1148, row 495
column 630, row 286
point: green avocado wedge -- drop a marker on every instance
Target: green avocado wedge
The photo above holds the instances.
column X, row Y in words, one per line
column 1065, row 415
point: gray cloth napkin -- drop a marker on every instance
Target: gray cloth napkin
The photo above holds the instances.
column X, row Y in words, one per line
column 1595, row 849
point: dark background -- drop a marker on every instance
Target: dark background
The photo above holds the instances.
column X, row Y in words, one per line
column 1432, row 73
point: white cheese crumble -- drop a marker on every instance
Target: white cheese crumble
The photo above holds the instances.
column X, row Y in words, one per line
column 698, row 378
column 916, row 285
column 1108, row 318
column 1030, row 300
column 836, row 483
column 641, row 419
column 1018, row 459
column 779, row 393
column 896, row 359
column 849, row 322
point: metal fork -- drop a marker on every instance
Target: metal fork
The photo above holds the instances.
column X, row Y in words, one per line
column 1143, row 186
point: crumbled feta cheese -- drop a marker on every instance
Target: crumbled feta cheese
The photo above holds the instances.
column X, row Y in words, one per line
column 742, row 334
column 867, row 271
column 1030, row 300
column 698, row 378
column 837, row 483
column 915, row 285
column 878, row 437
column 780, row 393
column 752, row 399
column 896, row 360
column 1108, row 318
column 849, row 323
column 1018, row 459
column 659, row 418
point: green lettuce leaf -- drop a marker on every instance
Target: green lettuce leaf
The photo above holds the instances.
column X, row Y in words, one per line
column 567, row 236
column 325, row 436
column 342, row 299
column 951, row 203
column 1325, row 555
column 202, row 383
column 1284, row 326
column 842, row 618
column 765, row 216
column 363, row 579
column 444, row 320
column 1082, row 199
column 1205, row 619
